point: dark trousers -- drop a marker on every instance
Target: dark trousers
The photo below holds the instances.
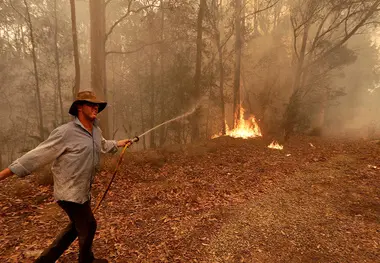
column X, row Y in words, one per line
column 82, row 225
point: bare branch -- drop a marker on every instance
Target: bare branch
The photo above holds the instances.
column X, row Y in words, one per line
column 292, row 20
column 335, row 25
column 346, row 21
column 372, row 23
column 304, row 22
column 316, row 38
column 261, row 10
column 226, row 39
column 370, row 12
column 127, row 13
column 135, row 50
column 18, row 12
column 119, row 20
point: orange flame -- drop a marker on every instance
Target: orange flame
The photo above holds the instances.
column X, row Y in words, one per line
column 244, row 128
column 275, row 145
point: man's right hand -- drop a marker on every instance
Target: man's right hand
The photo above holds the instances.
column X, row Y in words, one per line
column 5, row 173
column 122, row 143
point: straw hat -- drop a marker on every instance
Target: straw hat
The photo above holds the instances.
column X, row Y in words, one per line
column 86, row 96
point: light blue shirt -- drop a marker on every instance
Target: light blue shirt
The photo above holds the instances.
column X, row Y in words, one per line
column 75, row 154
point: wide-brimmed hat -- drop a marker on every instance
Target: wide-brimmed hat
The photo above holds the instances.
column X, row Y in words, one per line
column 86, row 96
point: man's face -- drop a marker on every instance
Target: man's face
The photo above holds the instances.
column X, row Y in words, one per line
column 89, row 110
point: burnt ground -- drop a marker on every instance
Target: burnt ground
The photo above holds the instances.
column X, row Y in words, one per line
column 224, row 200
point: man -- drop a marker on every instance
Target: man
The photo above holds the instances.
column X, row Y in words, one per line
column 75, row 148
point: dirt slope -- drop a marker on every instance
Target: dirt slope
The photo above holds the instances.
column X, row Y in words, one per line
column 224, row 200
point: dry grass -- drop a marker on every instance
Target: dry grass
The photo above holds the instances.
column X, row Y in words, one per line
column 223, row 200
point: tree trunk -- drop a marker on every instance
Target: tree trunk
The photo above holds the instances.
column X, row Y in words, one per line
column 218, row 21
column 162, row 135
column 36, row 78
column 221, row 89
column 238, row 46
column 152, row 103
column 114, row 109
column 141, row 110
column 301, row 60
column 98, row 57
column 18, row 43
column 76, row 87
column 255, row 19
column 319, row 120
column 293, row 107
column 24, row 45
column 198, row 70
column 57, row 63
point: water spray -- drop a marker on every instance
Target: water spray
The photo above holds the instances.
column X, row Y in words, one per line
column 129, row 143
column 174, row 119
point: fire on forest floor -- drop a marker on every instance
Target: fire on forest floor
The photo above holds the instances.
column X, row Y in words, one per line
column 223, row 200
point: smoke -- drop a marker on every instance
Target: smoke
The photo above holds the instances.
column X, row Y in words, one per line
column 356, row 113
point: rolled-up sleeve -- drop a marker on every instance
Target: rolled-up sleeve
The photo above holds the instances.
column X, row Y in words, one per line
column 43, row 154
column 109, row 146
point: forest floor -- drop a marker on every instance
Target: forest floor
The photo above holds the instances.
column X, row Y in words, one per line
column 223, row 200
